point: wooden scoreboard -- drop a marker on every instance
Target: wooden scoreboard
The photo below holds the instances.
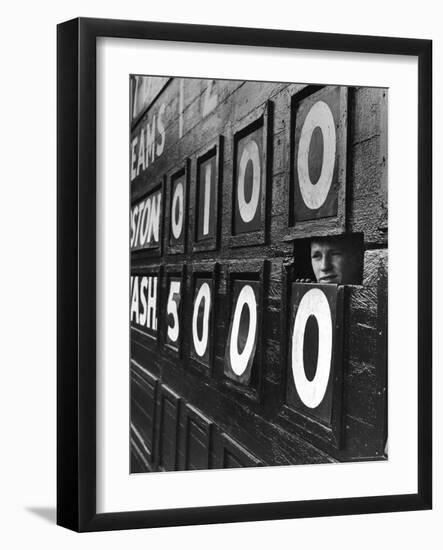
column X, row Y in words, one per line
column 236, row 360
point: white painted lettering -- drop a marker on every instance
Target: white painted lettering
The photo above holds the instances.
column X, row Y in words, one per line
column 134, row 301
column 145, row 223
column 150, row 142
column 151, row 318
column 141, row 153
column 154, row 218
column 143, row 286
column 133, row 228
column 138, row 212
column 161, row 130
column 133, row 158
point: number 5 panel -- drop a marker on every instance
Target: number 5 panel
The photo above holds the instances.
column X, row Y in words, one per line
column 172, row 313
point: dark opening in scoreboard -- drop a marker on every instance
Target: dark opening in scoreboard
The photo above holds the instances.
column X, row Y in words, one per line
column 258, row 284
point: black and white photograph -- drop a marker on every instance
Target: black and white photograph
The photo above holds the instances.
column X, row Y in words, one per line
column 258, row 273
column 223, row 223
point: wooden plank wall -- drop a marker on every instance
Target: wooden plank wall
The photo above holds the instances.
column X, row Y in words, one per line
column 183, row 418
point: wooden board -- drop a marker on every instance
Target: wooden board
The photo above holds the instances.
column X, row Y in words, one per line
column 143, row 411
column 201, row 123
column 168, row 429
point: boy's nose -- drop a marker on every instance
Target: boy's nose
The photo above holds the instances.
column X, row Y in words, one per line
column 325, row 263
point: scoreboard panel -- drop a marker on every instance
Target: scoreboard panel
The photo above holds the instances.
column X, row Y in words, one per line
column 236, row 358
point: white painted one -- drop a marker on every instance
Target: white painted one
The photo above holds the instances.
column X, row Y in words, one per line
column 207, row 203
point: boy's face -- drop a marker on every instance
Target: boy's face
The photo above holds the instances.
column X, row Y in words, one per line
column 332, row 262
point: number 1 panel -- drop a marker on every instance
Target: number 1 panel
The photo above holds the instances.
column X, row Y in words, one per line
column 205, row 211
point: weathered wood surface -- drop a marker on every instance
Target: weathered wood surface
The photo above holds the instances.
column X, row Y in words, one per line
column 195, row 114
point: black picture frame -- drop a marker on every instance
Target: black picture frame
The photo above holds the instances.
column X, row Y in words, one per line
column 76, row 267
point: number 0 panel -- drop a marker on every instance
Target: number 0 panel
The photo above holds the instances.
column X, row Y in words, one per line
column 315, row 360
column 250, row 178
column 177, row 210
column 202, row 305
column 317, row 186
column 246, row 288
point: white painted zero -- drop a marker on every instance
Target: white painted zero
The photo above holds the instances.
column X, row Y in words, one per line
column 200, row 345
column 320, row 115
column 177, row 223
column 311, row 392
column 248, row 209
column 239, row 361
